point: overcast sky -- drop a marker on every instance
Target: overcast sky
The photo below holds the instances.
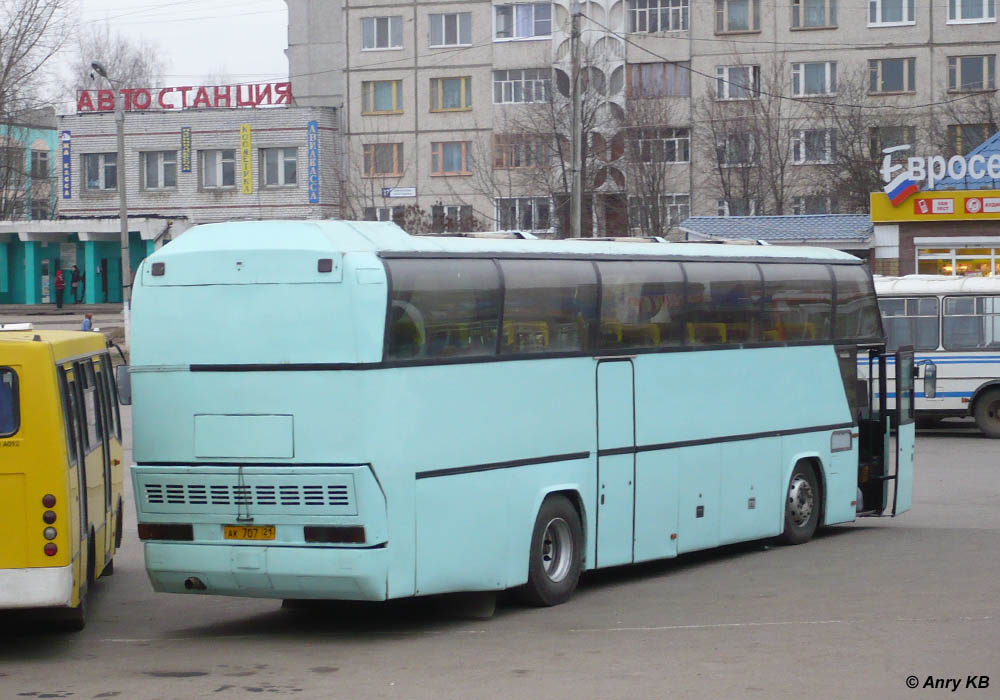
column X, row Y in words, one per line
column 242, row 38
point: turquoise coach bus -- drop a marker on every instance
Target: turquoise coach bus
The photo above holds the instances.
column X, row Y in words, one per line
column 338, row 410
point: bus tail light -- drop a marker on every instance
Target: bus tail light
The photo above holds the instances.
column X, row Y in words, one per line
column 48, row 517
column 166, row 531
column 49, row 533
column 48, row 500
column 51, row 549
column 340, row 534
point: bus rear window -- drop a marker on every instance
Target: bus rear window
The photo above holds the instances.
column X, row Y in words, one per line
column 10, row 404
column 857, row 310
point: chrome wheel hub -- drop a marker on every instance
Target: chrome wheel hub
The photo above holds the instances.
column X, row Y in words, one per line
column 801, row 500
column 557, row 549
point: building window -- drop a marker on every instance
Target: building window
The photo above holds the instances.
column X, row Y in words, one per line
column 383, row 159
column 659, row 144
column 278, row 166
column 891, row 75
column 382, row 97
column 814, row 146
column 971, row 11
column 966, row 137
column 658, row 80
column 523, row 21
column 737, row 82
column 451, row 217
column 972, row 73
column 737, row 16
column 890, row 12
column 523, row 214
column 812, row 204
column 811, row 14
column 381, row 33
column 522, row 85
column 814, row 78
column 381, row 213
column 451, row 158
column 451, row 94
column 100, row 171
column 737, row 206
column 159, row 170
column 39, row 165
column 40, row 209
column 452, row 29
column 651, row 16
column 736, row 149
column 883, row 137
column 218, row 168
column 965, row 260
column 653, row 213
column 512, row 151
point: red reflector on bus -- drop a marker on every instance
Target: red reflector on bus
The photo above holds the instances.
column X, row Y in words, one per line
column 354, row 534
column 51, row 549
column 166, row 531
column 48, row 500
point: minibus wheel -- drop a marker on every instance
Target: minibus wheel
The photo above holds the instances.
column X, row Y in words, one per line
column 802, row 502
column 118, row 525
column 75, row 619
column 556, row 554
column 988, row 413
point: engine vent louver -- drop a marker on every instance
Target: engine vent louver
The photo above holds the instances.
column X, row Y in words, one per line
column 174, row 495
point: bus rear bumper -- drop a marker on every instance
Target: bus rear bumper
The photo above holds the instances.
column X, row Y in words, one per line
column 41, row 587
column 269, row 572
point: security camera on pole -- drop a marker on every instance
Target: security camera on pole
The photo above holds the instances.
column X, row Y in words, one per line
column 122, row 201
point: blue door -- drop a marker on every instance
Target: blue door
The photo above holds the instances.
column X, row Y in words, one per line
column 615, row 461
column 905, row 431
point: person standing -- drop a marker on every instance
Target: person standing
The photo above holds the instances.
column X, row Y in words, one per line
column 74, row 284
column 60, row 285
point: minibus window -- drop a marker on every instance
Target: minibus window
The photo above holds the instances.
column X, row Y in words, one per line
column 92, row 434
column 69, row 406
column 10, row 409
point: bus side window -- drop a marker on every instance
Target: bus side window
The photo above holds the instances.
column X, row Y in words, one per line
column 115, row 427
column 92, row 433
column 101, row 385
column 724, row 297
column 798, row 302
column 857, row 315
column 10, row 411
column 642, row 304
column 68, row 391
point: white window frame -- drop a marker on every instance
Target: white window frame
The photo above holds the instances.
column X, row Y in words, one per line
column 909, row 75
column 161, row 162
column 679, row 137
column 799, row 156
column 989, row 64
column 541, row 85
column 722, row 208
column 799, row 205
column 219, row 168
column 534, row 202
column 102, row 165
column 281, row 153
column 875, row 7
column 989, row 12
column 462, row 18
column 534, row 36
column 799, row 14
column 380, row 213
column 724, row 80
column 722, row 17
column 390, row 21
column 751, row 146
column 677, row 206
column 799, row 78
column 641, row 11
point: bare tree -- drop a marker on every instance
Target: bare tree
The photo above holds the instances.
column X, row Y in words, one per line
column 965, row 122
column 132, row 64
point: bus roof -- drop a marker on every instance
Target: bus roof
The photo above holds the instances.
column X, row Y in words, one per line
column 387, row 238
column 935, row 284
column 62, row 344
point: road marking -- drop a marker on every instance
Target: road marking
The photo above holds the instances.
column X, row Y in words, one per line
column 710, row 626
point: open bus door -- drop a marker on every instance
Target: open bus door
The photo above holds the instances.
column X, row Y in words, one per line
column 879, row 464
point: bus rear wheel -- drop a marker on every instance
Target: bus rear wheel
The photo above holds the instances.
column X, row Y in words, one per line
column 801, row 505
column 556, row 555
column 988, row 413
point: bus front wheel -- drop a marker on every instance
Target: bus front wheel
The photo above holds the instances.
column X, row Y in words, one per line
column 801, row 505
column 988, row 413
column 556, row 554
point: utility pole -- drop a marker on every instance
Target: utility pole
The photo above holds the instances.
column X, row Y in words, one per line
column 576, row 188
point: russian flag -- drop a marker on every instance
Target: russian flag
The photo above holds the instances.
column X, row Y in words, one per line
column 901, row 187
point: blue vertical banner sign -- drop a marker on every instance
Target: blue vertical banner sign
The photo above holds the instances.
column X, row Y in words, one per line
column 185, row 149
column 67, row 166
column 312, row 142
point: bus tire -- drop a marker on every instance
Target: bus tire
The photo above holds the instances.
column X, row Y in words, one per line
column 802, row 504
column 987, row 413
column 109, row 568
column 91, row 559
column 556, row 555
column 75, row 619
column 119, row 524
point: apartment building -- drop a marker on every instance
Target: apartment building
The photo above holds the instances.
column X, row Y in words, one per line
column 451, row 107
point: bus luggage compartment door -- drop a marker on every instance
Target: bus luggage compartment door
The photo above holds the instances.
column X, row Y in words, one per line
column 615, row 461
column 905, row 431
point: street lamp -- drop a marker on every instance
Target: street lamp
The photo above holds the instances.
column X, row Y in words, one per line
column 122, row 201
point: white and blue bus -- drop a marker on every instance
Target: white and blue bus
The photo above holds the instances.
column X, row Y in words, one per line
column 953, row 323
column 338, row 410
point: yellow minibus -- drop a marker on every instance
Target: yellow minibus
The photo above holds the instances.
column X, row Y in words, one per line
column 60, row 468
